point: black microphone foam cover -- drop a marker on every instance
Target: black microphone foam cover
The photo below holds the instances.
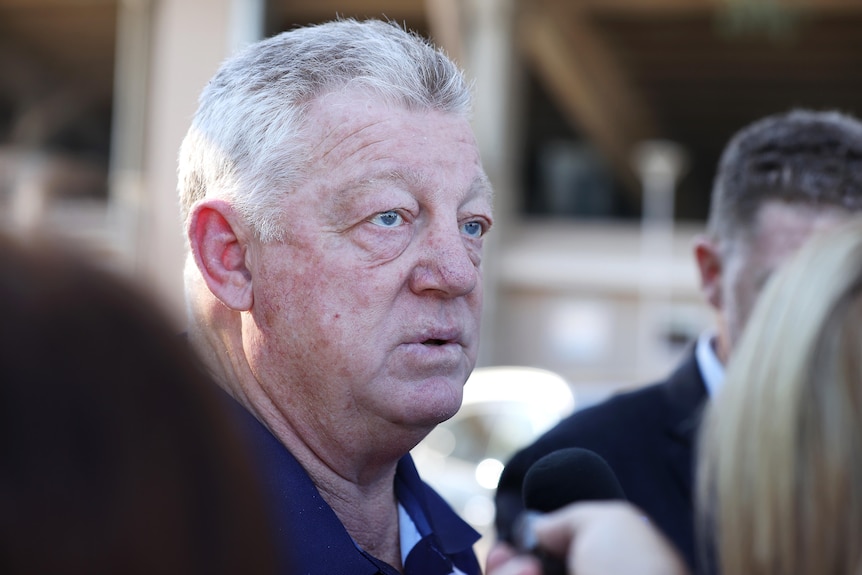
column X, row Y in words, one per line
column 567, row 476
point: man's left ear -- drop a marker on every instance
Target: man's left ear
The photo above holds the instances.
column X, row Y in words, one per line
column 218, row 243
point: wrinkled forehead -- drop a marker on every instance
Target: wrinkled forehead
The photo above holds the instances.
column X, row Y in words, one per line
column 347, row 120
column 350, row 103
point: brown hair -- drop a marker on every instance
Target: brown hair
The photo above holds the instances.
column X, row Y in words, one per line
column 117, row 454
column 799, row 156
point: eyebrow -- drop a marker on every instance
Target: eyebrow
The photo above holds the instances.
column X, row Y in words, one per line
column 480, row 186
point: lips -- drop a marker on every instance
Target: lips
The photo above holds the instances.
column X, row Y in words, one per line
column 439, row 337
column 436, row 351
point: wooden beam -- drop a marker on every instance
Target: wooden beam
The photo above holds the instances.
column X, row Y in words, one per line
column 590, row 87
column 55, row 3
column 318, row 10
column 682, row 7
column 647, row 8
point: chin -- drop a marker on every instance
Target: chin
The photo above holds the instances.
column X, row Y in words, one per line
column 421, row 403
column 432, row 404
column 435, row 411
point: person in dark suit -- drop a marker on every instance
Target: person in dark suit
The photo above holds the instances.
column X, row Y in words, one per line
column 779, row 180
column 779, row 478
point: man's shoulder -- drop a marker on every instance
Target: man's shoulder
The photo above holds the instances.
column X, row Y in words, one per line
column 634, row 414
column 632, row 430
column 623, row 411
column 682, row 391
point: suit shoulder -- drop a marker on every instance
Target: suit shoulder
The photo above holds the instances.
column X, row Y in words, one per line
column 631, row 416
column 640, row 404
column 645, row 408
column 640, row 416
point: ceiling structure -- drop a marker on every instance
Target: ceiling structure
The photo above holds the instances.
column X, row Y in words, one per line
column 50, row 51
column 615, row 71
column 690, row 71
column 56, row 85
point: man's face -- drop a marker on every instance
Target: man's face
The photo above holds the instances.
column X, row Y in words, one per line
column 780, row 230
column 367, row 315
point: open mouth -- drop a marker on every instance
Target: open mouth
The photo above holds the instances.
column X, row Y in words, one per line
column 435, row 342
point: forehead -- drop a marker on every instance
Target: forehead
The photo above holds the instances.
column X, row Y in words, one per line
column 352, row 133
column 782, row 227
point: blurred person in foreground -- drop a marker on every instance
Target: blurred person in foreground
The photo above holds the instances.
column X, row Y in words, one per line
column 335, row 207
column 779, row 180
column 779, row 481
column 118, row 455
column 592, row 538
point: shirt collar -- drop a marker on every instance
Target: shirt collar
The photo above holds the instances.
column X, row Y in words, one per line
column 312, row 539
column 711, row 368
column 430, row 512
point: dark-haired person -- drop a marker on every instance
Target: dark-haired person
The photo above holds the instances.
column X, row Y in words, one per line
column 779, row 480
column 118, row 453
column 779, row 180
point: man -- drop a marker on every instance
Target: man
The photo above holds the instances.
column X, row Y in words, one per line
column 779, row 180
column 335, row 207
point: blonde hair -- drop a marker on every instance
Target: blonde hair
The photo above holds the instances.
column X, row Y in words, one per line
column 780, row 473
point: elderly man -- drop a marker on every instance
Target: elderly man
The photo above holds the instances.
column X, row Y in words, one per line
column 779, row 180
column 335, row 207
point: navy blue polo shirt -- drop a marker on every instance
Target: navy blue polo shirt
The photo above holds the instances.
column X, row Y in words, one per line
column 311, row 538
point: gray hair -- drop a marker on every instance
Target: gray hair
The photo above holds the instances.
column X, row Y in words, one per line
column 245, row 145
column 801, row 156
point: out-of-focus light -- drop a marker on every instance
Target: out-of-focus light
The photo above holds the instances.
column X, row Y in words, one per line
column 488, row 473
column 441, row 441
column 542, row 396
column 478, row 511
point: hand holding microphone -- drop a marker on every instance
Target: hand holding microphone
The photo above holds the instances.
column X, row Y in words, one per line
column 596, row 538
column 588, row 528
column 554, row 481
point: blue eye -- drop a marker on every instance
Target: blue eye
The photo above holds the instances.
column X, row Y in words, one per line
column 388, row 219
column 473, row 229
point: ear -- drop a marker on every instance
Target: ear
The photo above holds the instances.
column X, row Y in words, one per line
column 709, row 264
column 218, row 243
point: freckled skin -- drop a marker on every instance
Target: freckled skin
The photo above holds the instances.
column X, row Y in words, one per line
column 342, row 306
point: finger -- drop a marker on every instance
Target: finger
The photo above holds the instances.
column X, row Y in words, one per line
column 518, row 565
column 499, row 554
column 556, row 531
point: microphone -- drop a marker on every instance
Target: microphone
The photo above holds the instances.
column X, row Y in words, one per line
column 562, row 477
column 569, row 475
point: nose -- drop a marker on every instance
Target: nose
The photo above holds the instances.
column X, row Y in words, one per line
column 447, row 264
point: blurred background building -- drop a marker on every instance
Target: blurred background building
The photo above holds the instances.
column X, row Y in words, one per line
column 600, row 124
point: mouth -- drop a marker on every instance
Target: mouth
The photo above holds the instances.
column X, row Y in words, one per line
column 439, row 337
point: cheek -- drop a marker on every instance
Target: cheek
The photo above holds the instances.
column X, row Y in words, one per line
column 740, row 299
column 327, row 305
column 302, row 329
column 371, row 243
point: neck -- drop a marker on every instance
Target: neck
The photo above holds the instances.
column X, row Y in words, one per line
column 352, row 479
column 368, row 512
column 354, row 482
column 721, row 345
column 353, row 474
